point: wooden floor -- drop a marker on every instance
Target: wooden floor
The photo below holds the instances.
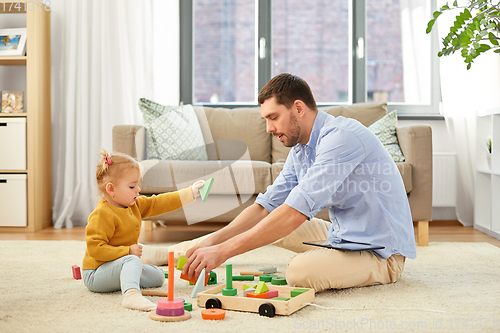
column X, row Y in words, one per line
column 439, row 231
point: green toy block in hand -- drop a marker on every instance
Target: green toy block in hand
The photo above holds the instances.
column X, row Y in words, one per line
column 205, row 189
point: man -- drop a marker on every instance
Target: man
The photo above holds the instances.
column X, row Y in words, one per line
column 335, row 163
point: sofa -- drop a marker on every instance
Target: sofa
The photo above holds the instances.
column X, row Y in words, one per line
column 244, row 159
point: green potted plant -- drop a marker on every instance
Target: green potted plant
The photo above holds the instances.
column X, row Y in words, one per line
column 475, row 30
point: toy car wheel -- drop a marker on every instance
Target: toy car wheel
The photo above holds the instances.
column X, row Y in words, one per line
column 213, row 303
column 266, row 309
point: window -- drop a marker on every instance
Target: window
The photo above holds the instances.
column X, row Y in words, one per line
column 348, row 51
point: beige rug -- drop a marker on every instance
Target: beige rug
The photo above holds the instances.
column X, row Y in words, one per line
column 461, row 280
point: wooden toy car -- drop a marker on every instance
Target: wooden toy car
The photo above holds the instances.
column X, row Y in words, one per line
column 213, row 298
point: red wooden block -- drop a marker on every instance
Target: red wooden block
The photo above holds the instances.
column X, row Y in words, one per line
column 77, row 274
column 252, row 294
column 185, row 277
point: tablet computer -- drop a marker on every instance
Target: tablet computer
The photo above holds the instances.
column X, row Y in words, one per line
column 345, row 245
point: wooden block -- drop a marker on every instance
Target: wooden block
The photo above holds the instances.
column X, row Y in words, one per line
column 243, row 277
column 278, row 280
column 280, row 298
column 252, row 294
column 248, row 290
column 185, row 277
column 297, row 291
column 268, row 270
column 261, row 287
column 255, row 273
column 267, row 277
column 213, row 314
column 246, row 286
column 205, row 189
column 162, row 293
column 272, row 293
column 166, row 274
column 200, row 284
column 154, row 316
column 77, row 273
column 164, row 303
column 188, row 306
column 212, row 279
column 181, row 261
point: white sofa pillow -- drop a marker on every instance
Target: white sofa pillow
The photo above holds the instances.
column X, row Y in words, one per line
column 385, row 130
column 172, row 132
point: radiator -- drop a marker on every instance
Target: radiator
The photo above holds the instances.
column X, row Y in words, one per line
column 444, row 180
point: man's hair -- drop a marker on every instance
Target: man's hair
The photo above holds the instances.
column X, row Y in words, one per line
column 287, row 88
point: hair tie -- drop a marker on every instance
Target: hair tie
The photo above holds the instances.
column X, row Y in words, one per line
column 108, row 160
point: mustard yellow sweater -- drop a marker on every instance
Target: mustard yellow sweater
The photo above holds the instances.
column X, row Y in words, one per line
column 111, row 230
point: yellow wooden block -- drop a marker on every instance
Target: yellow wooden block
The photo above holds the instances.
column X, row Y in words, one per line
column 261, row 288
column 181, row 261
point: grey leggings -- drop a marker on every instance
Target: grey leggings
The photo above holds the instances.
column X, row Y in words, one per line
column 124, row 273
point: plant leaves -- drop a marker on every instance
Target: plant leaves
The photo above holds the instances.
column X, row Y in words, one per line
column 429, row 25
column 436, row 14
column 455, row 3
column 492, row 38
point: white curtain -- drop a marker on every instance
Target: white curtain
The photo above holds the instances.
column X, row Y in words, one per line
column 464, row 93
column 415, row 50
column 102, row 63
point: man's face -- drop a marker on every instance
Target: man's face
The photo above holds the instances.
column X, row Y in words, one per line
column 281, row 122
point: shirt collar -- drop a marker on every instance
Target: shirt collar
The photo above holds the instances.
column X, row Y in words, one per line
column 313, row 139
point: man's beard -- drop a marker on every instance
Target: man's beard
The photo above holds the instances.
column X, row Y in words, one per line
column 294, row 133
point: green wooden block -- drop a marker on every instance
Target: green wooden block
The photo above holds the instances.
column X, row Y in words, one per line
column 192, row 283
column 229, row 291
column 188, row 306
column 243, row 277
column 246, row 286
column 297, row 292
column 166, row 274
column 261, row 288
column 212, row 279
column 268, row 270
column 280, row 298
column 278, row 280
column 267, row 277
column 181, row 261
column 205, row 189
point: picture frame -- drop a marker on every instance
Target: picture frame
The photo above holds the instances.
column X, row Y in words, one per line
column 13, row 42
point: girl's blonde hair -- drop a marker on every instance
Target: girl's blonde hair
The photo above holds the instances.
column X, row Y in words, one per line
column 111, row 167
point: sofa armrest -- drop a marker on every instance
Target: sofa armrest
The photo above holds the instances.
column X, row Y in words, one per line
column 130, row 140
column 416, row 144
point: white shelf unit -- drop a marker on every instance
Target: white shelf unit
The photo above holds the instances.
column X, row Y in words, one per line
column 487, row 191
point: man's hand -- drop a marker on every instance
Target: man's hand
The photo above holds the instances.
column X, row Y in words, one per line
column 203, row 257
column 136, row 250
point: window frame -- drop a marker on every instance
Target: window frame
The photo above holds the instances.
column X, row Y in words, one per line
column 357, row 66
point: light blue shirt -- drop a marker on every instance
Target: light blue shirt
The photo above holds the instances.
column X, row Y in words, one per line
column 344, row 167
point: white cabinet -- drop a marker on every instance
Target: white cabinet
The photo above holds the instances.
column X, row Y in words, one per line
column 487, row 191
column 13, row 200
column 13, row 143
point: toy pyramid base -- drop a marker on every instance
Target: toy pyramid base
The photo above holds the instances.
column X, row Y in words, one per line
column 154, row 316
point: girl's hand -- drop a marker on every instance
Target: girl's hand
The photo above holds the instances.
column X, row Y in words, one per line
column 136, row 250
column 195, row 188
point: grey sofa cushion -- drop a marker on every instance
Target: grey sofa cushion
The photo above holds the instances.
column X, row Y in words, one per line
column 231, row 177
column 241, row 124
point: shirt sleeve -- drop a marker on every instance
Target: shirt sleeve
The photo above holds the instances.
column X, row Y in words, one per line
column 164, row 203
column 100, row 229
column 338, row 153
column 277, row 192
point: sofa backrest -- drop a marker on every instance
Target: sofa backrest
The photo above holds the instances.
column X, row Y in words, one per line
column 365, row 113
column 224, row 130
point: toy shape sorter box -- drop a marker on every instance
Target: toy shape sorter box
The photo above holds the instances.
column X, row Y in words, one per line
column 247, row 304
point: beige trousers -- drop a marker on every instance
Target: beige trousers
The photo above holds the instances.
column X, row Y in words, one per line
column 322, row 268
